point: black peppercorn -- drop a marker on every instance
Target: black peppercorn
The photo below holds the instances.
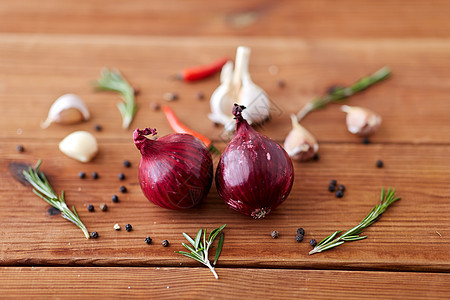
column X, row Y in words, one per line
column 274, row 234
column 200, row 96
column 341, row 187
column 379, row 164
column 165, row 243
column 121, row 176
column 128, row 227
column 94, row 234
column 114, row 198
column 333, row 182
column 366, row 141
column 98, row 127
column 126, row 163
column 313, row 242
column 316, row 156
column 123, row 189
column 155, row 106
column 148, row 240
column 301, row 231
column 281, row 83
column 82, row 175
column 339, row 194
column 90, row 207
column 299, row 238
column 20, row 148
column 170, row 96
column 94, row 175
column 104, row 207
column 331, row 188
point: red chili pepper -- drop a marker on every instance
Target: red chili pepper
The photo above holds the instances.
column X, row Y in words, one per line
column 179, row 127
column 200, row 72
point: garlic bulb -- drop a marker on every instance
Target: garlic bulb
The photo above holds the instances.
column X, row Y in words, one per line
column 67, row 109
column 79, row 145
column 300, row 144
column 361, row 121
column 238, row 87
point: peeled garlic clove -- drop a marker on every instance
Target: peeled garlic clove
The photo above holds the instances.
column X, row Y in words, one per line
column 300, row 144
column 79, row 145
column 361, row 121
column 67, row 109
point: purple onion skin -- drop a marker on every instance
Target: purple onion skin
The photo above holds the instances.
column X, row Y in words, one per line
column 175, row 171
column 255, row 174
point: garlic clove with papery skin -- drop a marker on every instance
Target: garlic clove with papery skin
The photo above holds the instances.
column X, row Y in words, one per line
column 67, row 109
column 221, row 100
column 361, row 121
column 251, row 95
column 300, row 144
column 237, row 87
column 79, row 145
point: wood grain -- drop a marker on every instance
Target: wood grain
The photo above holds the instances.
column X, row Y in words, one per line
column 413, row 103
column 323, row 18
column 51, row 47
column 195, row 283
column 404, row 239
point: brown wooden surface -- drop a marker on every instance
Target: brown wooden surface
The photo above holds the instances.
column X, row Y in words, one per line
column 55, row 47
column 189, row 283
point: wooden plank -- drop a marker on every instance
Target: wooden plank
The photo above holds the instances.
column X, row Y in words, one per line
column 323, row 18
column 404, row 239
column 413, row 103
column 195, row 283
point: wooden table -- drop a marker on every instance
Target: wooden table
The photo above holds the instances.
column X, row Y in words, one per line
column 50, row 47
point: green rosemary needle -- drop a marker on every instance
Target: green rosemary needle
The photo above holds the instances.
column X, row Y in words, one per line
column 112, row 80
column 199, row 249
column 43, row 189
column 353, row 234
column 339, row 93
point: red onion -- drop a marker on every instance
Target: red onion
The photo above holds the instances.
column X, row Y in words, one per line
column 254, row 174
column 175, row 171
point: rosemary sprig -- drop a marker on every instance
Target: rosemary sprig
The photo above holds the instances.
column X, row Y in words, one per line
column 353, row 234
column 340, row 93
column 112, row 80
column 43, row 189
column 199, row 249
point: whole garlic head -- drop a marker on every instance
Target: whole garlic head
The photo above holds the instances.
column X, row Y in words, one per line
column 361, row 121
column 300, row 144
column 238, row 87
column 67, row 109
column 79, row 145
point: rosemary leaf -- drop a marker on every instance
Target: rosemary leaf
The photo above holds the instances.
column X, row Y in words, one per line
column 329, row 238
column 189, row 239
column 43, row 189
column 353, row 238
column 200, row 253
column 190, row 255
column 340, row 93
column 387, row 198
column 219, row 248
column 197, row 239
column 112, row 80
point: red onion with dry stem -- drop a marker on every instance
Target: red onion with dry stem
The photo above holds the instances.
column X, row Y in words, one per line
column 175, row 171
column 254, row 174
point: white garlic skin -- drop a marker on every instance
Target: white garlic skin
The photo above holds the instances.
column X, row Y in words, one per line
column 67, row 109
column 79, row 145
column 361, row 121
column 300, row 144
column 237, row 87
